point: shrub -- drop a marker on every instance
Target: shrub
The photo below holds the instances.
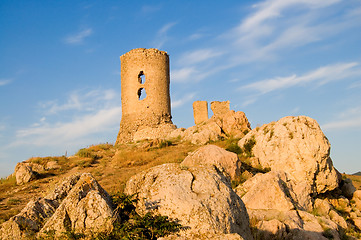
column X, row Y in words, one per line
column 130, row 225
column 248, row 146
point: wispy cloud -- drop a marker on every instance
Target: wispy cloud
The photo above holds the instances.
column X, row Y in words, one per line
column 92, row 112
column 162, row 35
column 52, row 134
column 321, row 75
column 81, row 101
column 186, row 98
column 198, row 56
column 4, row 82
column 349, row 119
column 79, row 37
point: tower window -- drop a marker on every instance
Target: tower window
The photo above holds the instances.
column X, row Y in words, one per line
column 141, row 94
column 141, row 77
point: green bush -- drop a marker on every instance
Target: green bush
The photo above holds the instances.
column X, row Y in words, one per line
column 131, row 225
column 248, row 146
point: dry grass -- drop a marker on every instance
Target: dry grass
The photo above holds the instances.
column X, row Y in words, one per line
column 356, row 181
column 111, row 165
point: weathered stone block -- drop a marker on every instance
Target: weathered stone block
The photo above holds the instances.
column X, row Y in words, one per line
column 200, row 111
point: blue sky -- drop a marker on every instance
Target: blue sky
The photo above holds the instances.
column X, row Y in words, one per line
column 60, row 67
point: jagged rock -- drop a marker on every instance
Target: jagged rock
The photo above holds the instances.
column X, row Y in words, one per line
column 357, row 222
column 78, row 204
column 52, row 165
column 86, row 208
column 298, row 224
column 24, row 173
column 272, row 229
column 202, row 133
column 232, row 123
column 274, row 190
column 199, row 197
column 212, row 155
column 348, row 188
column 340, row 203
column 195, row 236
column 322, row 207
column 336, row 218
column 32, row 217
column 357, row 199
column 229, row 123
column 297, row 146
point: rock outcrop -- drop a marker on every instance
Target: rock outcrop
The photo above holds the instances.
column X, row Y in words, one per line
column 212, row 155
column 199, row 197
column 274, row 191
column 297, row 146
column 79, row 204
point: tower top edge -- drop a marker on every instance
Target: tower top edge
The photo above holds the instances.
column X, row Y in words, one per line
column 145, row 51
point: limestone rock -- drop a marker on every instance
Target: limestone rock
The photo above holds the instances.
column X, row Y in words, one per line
column 32, row 217
column 78, row 204
column 297, row 146
column 52, row 165
column 24, row 173
column 357, row 199
column 199, row 197
column 274, row 190
column 298, row 224
column 357, row 222
column 322, row 207
column 195, row 236
column 203, row 133
column 212, row 155
column 336, row 218
column 86, row 208
column 272, row 229
column 232, row 123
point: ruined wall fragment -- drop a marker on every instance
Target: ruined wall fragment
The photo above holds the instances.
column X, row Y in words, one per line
column 219, row 108
column 200, row 111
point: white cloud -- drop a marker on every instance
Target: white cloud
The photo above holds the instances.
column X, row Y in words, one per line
column 64, row 132
column 198, row 56
column 183, row 75
column 271, row 9
column 162, row 35
column 343, row 124
column 4, row 82
column 183, row 100
column 82, row 101
column 79, row 37
column 321, row 75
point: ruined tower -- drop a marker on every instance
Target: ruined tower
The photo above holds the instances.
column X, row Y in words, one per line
column 144, row 91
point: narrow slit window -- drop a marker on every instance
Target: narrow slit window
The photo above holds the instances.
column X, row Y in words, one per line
column 141, row 77
column 141, row 94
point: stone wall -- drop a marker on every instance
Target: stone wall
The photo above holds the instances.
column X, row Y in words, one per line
column 200, row 111
column 219, row 108
column 144, row 91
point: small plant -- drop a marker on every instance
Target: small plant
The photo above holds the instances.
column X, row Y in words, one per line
column 130, row 225
column 248, row 146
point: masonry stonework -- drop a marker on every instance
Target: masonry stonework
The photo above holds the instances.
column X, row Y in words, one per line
column 144, row 91
column 200, row 111
column 219, row 108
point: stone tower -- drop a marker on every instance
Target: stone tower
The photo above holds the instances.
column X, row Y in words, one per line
column 144, row 91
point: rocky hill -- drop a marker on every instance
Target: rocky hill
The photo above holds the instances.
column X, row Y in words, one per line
column 216, row 180
column 357, row 174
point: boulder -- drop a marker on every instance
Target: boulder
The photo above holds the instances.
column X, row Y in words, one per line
column 78, row 204
column 201, row 198
column 272, row 229
column 232, row 123
column 297, row 224
column 203, row 133
column 87, row 208
column 297, row 146
column 357, row 222
column 274, row 190
column 357, row 199
column 212, row 155
column 24, row 173
column 322, row 207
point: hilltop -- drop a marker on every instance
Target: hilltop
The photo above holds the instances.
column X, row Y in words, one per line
column 258, row 178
